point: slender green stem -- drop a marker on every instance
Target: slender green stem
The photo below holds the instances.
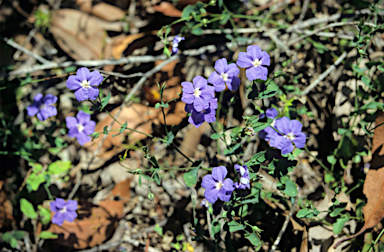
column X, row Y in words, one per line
column 377, row 240
column 148, row 135
column 317, row 160
column 48, row 192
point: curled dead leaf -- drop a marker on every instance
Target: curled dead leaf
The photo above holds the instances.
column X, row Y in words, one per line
column 107, row 12
column 167, row 9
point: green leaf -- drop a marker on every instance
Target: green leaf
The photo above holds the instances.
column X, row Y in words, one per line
column 13, row 242
column 215, row 136
column 158, row 229
column 59, row 166
column 45, row 215
column 18, row 234
column 290, row 187
column 6, row 236
column 337, row 210
column 169, row 138
column 234, row 226
column 332, row 159
column 307, row 213
column 166, row 52
column 339, row 224
column 259, row 157
column 270, row 91
column 190, row 177
column 48, row 235
column 35, row 180
column 27, row 208
column 105, row 101
column 254, row 239
column 215, row 229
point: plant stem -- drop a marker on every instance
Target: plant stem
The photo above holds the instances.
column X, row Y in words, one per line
column 148, row 135
column 317, row 160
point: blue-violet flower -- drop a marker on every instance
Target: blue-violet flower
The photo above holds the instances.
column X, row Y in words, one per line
column 268, row 133
column 85, row 83
column 198, row 93
column 175, row 44
column 215, row 185
column 63, row 210
column 43, row 106
column 244, row 177
column 226, row 74
column 255, row 61
column 291, row 130
column 80, row 127
column 205, row 203
column 206, row 115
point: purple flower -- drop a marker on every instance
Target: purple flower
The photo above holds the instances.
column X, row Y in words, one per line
column 43, row 106
column 206, row 115
column 175, row 44
column 226, row 74
column 63, row 210
column 215, row 185
column 254, row 60
column 268, row 133
column 244, row 177
column 85, row 83
column 198, row 93
column 80, row 127
column 291, row 132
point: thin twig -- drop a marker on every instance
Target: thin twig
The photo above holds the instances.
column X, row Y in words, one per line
column 284, row 227
column 304, row 9
column 26, row 51
column 324, row 74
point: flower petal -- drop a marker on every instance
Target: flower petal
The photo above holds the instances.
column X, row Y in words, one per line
column 265, row 59
column 300, row 140
column 83, row 117
column 219, row 173
column 252, row 73
column 49, row 99
column 188, row 98
column 93, row 92
column 187, row 87
column 83, row 138
column 226, row 190
column 81, row 94
column 287, row 148
column 295, row 126
column 73, row 82
column 95, row 78
column 196, row 118
column 58, row 218
column 32, row 110
column 60, row 203
column 210, row 115
column 271, row 113
column 73, row 132
column 233, row 70
column 282, row 125
column 89, row 127
column 200, row 82
column 70, row 216
column 254, row 51
column 38, row 97
column 244, row 60
column 221, row 65
column 70, row 121
column 263, row 73
column 83, row 73
column 199, row 104
column 235, row 84
column 211, row 195
column 53, row 207
column 72, row 205
column 208, row 182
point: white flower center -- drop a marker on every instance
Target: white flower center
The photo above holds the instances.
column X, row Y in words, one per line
column 80, row 127
column 242, row 170
column 273, row 123
column 197, row 92
column 224, row 76
column 290, row 136
column 256, row 63
column 85, row 84
column 64, row 210
column 244, row 181
column 219, row 185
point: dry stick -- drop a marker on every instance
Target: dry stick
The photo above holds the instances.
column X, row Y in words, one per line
column 313, row 21
column 323, row 75
column 26, row 51
column 287, row 218
column 127, row 98
column 31, row 34
column 279, row 43
column 304, row 9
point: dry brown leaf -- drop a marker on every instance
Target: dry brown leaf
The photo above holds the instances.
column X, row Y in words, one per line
column 78, row 34
column 304, row 242
column 167, row 9
column 138, row 117
column 85, row 5
column 6, row 208
column 96, row 223
column 107, row 12
column 374, row 182
column 121, row 44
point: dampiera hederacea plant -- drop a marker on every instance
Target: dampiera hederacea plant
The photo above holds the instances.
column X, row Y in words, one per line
column 290, row 132
column 80, row 127
column 215, row 185
column 85, row 84
column 197, row 93
column 175, row 44
column 244, row 177
column 254, row 60
column 206, row 115
column 63, row 210
column 43, row 106
column 226, row 74
column 267, row 133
